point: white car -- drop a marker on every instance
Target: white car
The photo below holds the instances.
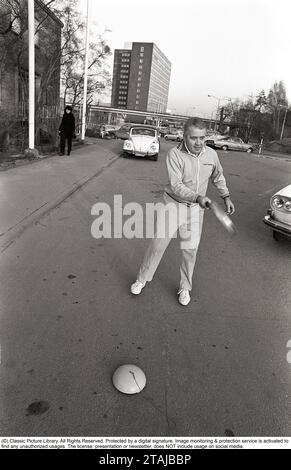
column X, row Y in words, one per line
column 143, row 141
column 279, row 215
column 229, row 143
column 106, row 129
column 175, row 135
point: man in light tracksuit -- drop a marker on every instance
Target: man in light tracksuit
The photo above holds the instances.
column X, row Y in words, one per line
column 190, row 165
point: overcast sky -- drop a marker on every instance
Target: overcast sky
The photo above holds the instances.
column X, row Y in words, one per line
column 224, row 48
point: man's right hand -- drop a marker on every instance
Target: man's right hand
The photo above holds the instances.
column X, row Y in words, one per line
column 203, row 202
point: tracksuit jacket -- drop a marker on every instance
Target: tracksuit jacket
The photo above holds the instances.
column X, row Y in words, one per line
column 189, row 174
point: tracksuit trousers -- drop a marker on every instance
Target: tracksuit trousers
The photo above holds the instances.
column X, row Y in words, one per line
column 189, row 225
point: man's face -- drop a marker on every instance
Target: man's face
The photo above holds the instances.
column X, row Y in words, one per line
column 194, row 139
column 68, row 111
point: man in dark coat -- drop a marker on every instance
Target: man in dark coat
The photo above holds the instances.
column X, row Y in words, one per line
column 67, row 130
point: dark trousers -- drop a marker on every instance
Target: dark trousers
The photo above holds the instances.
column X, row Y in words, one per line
column 69, row 139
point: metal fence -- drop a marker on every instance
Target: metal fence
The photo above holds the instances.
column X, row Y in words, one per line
column 47, row 121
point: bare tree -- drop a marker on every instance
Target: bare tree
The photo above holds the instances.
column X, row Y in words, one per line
column 73, row 55
column 277, row 102
column 69, row 52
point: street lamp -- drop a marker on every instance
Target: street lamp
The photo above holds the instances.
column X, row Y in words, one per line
column 210, row 124
column 218, row 106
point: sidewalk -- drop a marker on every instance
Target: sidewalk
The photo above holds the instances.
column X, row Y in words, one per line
column 8, row 161
column 30, row 191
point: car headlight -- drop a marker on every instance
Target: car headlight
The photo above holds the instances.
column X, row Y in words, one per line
column 128, row 145
column 277, row 202
column 154, row 146
column 287, row 205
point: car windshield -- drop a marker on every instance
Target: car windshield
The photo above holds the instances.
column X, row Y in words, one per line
column 142, row 131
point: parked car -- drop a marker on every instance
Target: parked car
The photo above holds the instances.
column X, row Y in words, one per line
column 174, row 135
column 213, row 135
column 100, row 130
column 279, row 214
column 106, row 129
column 122, row 132
column 230, row 143
column 143, row 141
column 163, row 131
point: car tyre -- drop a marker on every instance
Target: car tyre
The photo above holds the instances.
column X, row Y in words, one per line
column 155, row 157
column 276, row 235
column 166, row 138
column 224, row 147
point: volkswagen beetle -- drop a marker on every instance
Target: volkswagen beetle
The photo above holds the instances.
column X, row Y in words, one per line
column 143, row 141
column 279, row 214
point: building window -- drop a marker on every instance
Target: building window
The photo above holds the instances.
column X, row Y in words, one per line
column 137, row 102
column 140, row 73
column 141, row 61
column 139, row 79
column 141, row 54
column 141, row 49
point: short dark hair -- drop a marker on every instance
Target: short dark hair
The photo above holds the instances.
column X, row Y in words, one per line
column 194, row 122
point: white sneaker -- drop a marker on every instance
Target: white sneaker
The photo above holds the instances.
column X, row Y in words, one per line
column 137, row 287
column 184, row 297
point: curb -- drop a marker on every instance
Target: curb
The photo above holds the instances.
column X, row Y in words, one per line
column 274, row 156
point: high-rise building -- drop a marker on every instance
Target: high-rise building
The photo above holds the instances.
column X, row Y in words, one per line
column 120, row 80
column 141, row 78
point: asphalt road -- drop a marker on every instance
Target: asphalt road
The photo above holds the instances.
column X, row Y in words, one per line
column 217, row 367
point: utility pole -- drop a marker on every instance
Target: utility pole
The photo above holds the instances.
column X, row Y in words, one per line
column 85, row 75
column 218, row 99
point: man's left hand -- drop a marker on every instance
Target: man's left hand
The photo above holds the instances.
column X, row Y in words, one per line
column 229, row 206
